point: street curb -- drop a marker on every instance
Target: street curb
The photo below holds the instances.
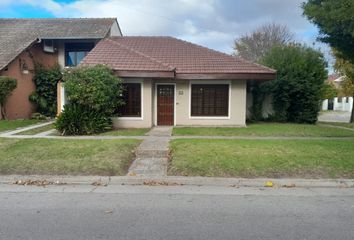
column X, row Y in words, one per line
column 179, row 181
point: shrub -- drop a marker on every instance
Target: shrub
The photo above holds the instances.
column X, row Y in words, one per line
column 94, row 87
column 7, row 85
column 79, row 120
column 93, row 94
column 301, row 72
column 45, row 96
column 38, row 116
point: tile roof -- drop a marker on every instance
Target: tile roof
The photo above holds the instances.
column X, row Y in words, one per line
column 167, row 54
column 18, row 34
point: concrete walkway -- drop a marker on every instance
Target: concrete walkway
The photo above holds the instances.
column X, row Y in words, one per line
column 152, row 154
column 23, row 129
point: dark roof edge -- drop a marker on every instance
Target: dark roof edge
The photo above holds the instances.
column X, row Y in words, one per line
column 21, row 51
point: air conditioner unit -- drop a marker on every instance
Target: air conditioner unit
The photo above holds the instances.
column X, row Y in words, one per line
column 48, row 46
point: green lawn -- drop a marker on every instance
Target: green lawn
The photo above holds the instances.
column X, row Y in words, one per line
column 6, row 125
column 127, row 132
column 37, row 130
column 266, row 129
column 347, row 125
column 263, row 158
column 66, row 157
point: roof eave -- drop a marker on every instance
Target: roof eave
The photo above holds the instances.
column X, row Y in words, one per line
column 231, row 76
column 144, row 74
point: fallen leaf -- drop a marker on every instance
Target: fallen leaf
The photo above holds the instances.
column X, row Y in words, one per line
column 160, row 183
column 269, row 184
column 292, row 185
column 39, row 183
column 99, row 183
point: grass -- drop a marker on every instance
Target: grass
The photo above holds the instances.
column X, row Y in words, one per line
column 268, row 158
column 347, row 125
column 6, row 125
column 127, row 132
column 66, row 157
column 37, row 130
column 267, row 129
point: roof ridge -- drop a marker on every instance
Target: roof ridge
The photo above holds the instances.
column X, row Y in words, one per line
column 50, row 18
column 142, row 54
column 215, row 51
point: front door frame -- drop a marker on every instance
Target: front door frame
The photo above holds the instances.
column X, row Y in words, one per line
column 174, row 102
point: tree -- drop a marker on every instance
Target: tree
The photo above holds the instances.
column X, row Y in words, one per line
column 7, row 85
column 335, row 20
column 301, row 72
column 346, row 69
column 328, row 91
column 255, row 45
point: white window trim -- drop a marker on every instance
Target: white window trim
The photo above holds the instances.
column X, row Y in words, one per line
column 209, row 117
column 141, row 102
column 174, row 102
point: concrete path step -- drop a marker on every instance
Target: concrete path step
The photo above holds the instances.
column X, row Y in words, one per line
column 152, row 154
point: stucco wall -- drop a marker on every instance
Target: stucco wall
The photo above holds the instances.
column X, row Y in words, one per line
column 18, row 106
column 237, row 115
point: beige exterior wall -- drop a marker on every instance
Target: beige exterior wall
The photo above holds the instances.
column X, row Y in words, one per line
column 237, row 105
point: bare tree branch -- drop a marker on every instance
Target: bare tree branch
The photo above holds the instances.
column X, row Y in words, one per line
column 254, row 46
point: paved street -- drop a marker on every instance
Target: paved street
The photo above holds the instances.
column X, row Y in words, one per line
column 179, row 212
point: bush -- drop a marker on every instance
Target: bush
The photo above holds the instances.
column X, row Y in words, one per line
column 93, row 94
column 78, row 120
column 94, row 87
column 301, row 72
column 7, row 85
column 45, row 96
column 38, row 116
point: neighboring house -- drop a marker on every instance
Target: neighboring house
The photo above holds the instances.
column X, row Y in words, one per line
column 172, row 82
column 24, row 42
column 339, row 103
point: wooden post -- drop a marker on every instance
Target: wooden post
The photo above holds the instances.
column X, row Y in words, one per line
column 58, row 98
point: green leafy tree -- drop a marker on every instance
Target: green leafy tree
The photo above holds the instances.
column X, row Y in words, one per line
column 45, row 95
column 329, row 91
column 301, row 72
column 255, row 45
column 346, row 69
column 335, row 20
column 7, row 85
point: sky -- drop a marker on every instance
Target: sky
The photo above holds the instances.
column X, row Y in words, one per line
column 211, row 23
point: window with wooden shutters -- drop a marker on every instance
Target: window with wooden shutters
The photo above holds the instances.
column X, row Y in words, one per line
column 210, row 100
column 132, row 99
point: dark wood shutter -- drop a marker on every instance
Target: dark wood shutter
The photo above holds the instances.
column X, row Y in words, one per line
column 132, row 99
column 210, row 100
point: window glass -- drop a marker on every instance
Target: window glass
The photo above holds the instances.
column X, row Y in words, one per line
column 132, row 99
column 75, row 52
column 210, row 100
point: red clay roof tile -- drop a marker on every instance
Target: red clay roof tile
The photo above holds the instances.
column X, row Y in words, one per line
column 167, row 54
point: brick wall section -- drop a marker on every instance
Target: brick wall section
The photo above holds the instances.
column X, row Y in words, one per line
column 18, row 106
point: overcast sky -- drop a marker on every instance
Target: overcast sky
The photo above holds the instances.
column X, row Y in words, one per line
column 211, row 23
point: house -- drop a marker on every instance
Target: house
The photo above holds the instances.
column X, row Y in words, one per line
column 173, row 82
column 339, row 103
column 24, row 42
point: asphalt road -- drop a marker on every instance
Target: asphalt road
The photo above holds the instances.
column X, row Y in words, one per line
column 165, row 213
